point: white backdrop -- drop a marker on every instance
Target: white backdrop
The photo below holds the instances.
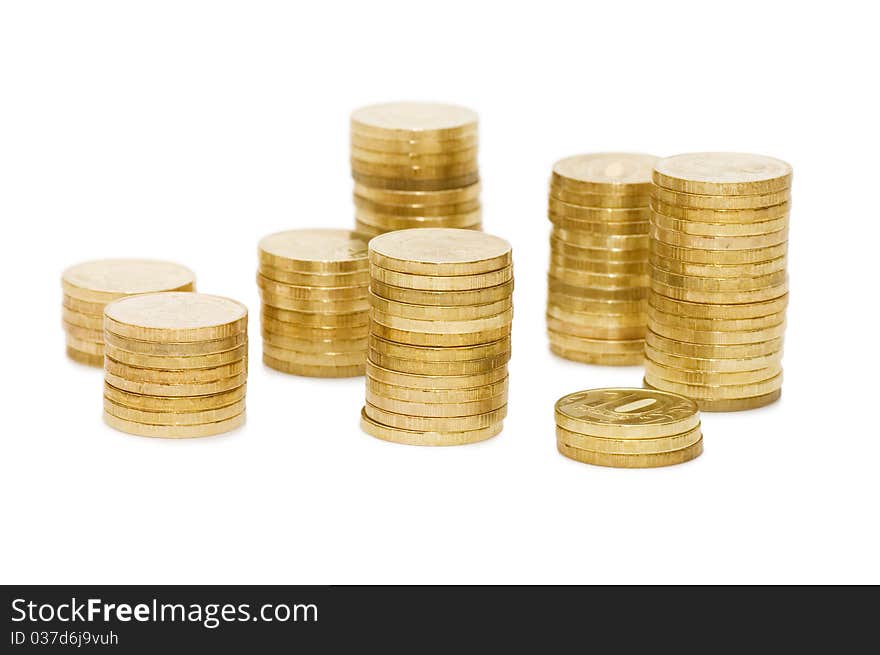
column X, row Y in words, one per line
column 188, row 130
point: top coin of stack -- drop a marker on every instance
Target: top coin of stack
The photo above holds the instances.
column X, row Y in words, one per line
column 628, row 428
column 414, row 164
column 175, row 365
column 719, row 244
column 598, row 282
column 89, row 286
column 313, row 284
column 440, row 317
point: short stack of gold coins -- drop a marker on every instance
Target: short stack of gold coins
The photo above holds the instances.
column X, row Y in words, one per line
column 414, row 164
column 175, row 364
column 315, row 313
column 719, row 244
column 628, row 428
column 89, row 286
column 440, row 318
column 598, row 280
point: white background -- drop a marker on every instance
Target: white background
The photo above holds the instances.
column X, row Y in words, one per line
column 188, row 130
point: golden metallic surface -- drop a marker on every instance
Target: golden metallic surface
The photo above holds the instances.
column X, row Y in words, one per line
column 631, row 460
column 713, row 351
column 174, row 418
column 722, row 173
column 409, row 172
column 603, row 319
column 599, row 358
column 174, row 404
column 442, row 327
column 658, row 317
column 174, row 431
column 755, row 269
column 435, row 410
column 716, row 392
column 292, row 336
column 732, row 285
column 440, row 252
column 720, row 257
column 370, row 156
column 581, row 330
column 607, row 267
column 563, row 248
column 587, row 305
column 413, row 119
column 442, row 298
column 287, row 303
column 439, row 368
column 83, row 306
column 175, row 349
column 316, row 345
column 416, row 210
column 338, row 359
column 435, row 424
column 730, row 337
column 306, row 370
column 86, row 347
column 573, row 285
column 389, row 222
column 80, row 357
column 598, row 281
column 628, row 446
column 719, row 229
column 297, row 319
column 439, row 354
column 739, row 404
column 445, row 197
column 315, row 251
column 584, row 239
column 613, row 229
column 735, row 216
column 567, row 342
column 317, row 294
column 86, row 321
column 417, row 338
column 412, row 184
column 599, row 200
column 439, row 312
column 178, row 376
column 626, row 413
column 416, row 381
column 720, row 297
column 182, row 317
column 737, row 311
column 713, row 365
column 710, row 378
column 413, row 144
column 105, row 280
column 324, row 280
column 605, row 172
column 426, row 438
column 700, row 201
column 172, row 362
column 682, row 240
column 442, row 282
column 175, row 390
column 376, row 230
column 437, row 395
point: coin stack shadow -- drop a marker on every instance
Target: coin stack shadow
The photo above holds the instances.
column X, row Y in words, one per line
column 628, row 428
column 415, row 165
column 440, row 321
column 88, row 287
column 598, row 280
column 175, row 365
column 719, row 242
column 313, row 285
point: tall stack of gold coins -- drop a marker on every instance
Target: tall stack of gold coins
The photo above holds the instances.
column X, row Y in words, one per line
column 89, row 286
column 315, row 312
column 414, row 164
column 440, row 317
column 628, row 428
column 598, row 282
column 719, row 243
column 175, row 364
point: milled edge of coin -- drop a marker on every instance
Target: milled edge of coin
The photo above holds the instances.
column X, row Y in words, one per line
column 310, row 371
column 631, row 461
column 427, row 438
column 467, row 252
column 646, row 446
column 776, row 175
column 174, row 431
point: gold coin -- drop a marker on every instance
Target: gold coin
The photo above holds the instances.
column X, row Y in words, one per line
column 720, row 257
column 713, row 365
column 376, row 230
column 699, row 201
column 686, row 376
column 717, row 392
column 617, row 256
column 720, row 337
column 150, row 361
column 442, row 282
column 351, row 306
column 416, row 381
column 81, row 357
column 599, row 281
column 306, row 370
column 626, row 413
column 370, row 156
column 441, row 252
column 628, row 446
column 595, row 331
column 439, row 339
column 714, row 324
column 415, row 171
column 435, row 424
column 87, row 347
column 437, row 395
column 599, row 200
column 417, row 210
column 368, row 229
column 176, row 376
column 174, row 431
column 635, row 319
column 82, row 320
column 720, row 297
column 388, row 223
column 81, row 333
column 357, row 278
column 713, row 351
column 567, row 223
column 442, row 298
column 422, row 438
column 601, row 307
column 436, row 410
column 174, row 404
column 739, row 404
column 445, row 197
column 415, row 145
column 574, row 287
column 726, row 312
column 454, row 368
column 439, row 354
column 604, row 346
column 634, row 460
column 314, row 319
column 726, row 284
column 316, row 294
column 175, row 390
column 413, row 184
column 682, row 240
column 168, row 317
column 599, row 358
column 293, row 336
column 725, row 216
column 605, row 172
column 601, row 267
column 315, row 251
column 315, row 346
column 439, row 312
column 106, row 280
column 723, row 173
column 719, row 229
column 174, row 418
column 338, row 359
column 413, row 119
column 719, row 270
column 84, row 307
column 585, row 239
column 442, row 327
column 175, row 349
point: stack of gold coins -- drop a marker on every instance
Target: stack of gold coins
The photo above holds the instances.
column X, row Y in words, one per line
column 719, row 243
column 598, row 282
column 175, row 364
column 414, row 164
column 89, row 286
column 628, row 428
column 314, row 284
column 440, row 316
